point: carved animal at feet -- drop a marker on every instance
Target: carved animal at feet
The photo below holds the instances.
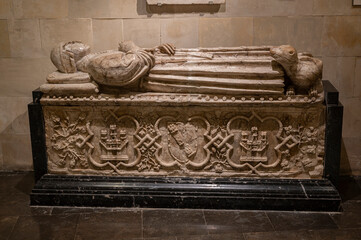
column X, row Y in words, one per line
column 303, row 70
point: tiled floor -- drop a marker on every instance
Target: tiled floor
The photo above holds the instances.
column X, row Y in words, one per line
column 19, row 221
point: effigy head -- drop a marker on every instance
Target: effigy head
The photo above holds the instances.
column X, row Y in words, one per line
column 285, row 55
column 65, row 55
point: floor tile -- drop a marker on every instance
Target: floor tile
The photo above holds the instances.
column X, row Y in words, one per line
column 349, row 188
column 237, row 222
column 225, row 236
column 339, row 234
column 347, row 219
column 285, row 235
column 77, row 210
column 169, row 223
column 352, row 206
column 111, row 225
column 298, row 221
column 7, row 224
column 21, row 183
column 45, row 227
column 14, row 205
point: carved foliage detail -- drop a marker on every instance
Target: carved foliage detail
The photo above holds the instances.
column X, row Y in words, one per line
column 240, row 145
column 70, row 141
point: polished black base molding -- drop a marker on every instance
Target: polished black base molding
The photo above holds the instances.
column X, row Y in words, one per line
column 174, row 192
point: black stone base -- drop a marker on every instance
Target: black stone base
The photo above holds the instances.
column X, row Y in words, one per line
column 174, row 192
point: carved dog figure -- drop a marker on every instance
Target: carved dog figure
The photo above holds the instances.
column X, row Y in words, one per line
column 304, row 71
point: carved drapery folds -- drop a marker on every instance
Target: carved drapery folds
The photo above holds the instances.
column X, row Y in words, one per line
column 232, row 143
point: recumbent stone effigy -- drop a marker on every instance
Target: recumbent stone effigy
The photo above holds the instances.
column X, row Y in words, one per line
column 163, row 111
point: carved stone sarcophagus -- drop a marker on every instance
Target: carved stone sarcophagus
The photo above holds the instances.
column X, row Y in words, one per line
column 178, row 115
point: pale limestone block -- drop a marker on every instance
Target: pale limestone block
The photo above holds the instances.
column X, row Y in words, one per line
column 103, row 9
column 16, row 151
column 19, row 76
column 346, row 75
column 270, row 30
column 330, row 70
column 5, row 9
column 14, row 118
column 182, row 32
column 351, row 117
column 351, row 161
column 357, row 89
column 143, row 32
column 107, row 34
column 305, row 34
column 4, row 39
column 238, row 8
column 54, row 31
column 181, row 2
column 40, row 8
column 342, row 36
column 1, row 158
column 335, row 7
column 24, row 38
column 260, row 8
column 225, row 32
column 303, row 8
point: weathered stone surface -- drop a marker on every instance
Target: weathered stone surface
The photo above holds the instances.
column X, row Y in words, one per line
column 225, row 32
column 103, row 9
column 40, row 8
column 5, row 9
column 77, row 77
column 341, row 36
column 346, row 76
column 357, row 89
column 183, row 33
column 270, row 30
column 185, row 140
column 305, row 34
column 350, row 163
column 330, row 70
column 54, row 31
column 15, row 121
column 20, row 76
column 181, row 2
column 351, row 117
column 107, row 33
column 12, row 157
column 25, row 39
column 70, row 89
column 144, row 32
column 261, row 8
column 335, row 7
column 4, row 39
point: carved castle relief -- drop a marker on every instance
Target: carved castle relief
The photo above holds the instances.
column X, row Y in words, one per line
column 230, row 143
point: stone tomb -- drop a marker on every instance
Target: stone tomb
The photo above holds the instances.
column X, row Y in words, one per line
column 184, row 128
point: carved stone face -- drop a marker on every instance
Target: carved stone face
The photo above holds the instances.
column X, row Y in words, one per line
column 285, row 55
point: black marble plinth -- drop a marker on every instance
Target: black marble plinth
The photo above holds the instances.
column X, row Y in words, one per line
column 175, row 192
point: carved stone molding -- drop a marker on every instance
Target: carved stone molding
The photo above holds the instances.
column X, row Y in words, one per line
column 286, row 142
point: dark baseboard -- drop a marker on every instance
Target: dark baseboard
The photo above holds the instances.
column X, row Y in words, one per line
column 175, row 192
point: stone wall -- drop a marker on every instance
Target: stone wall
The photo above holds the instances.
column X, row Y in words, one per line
column 330, row 29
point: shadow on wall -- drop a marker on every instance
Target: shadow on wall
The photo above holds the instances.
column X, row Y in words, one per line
column 144, row 9
column 15, row 145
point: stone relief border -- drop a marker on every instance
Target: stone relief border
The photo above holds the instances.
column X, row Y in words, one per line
column 73, row 147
